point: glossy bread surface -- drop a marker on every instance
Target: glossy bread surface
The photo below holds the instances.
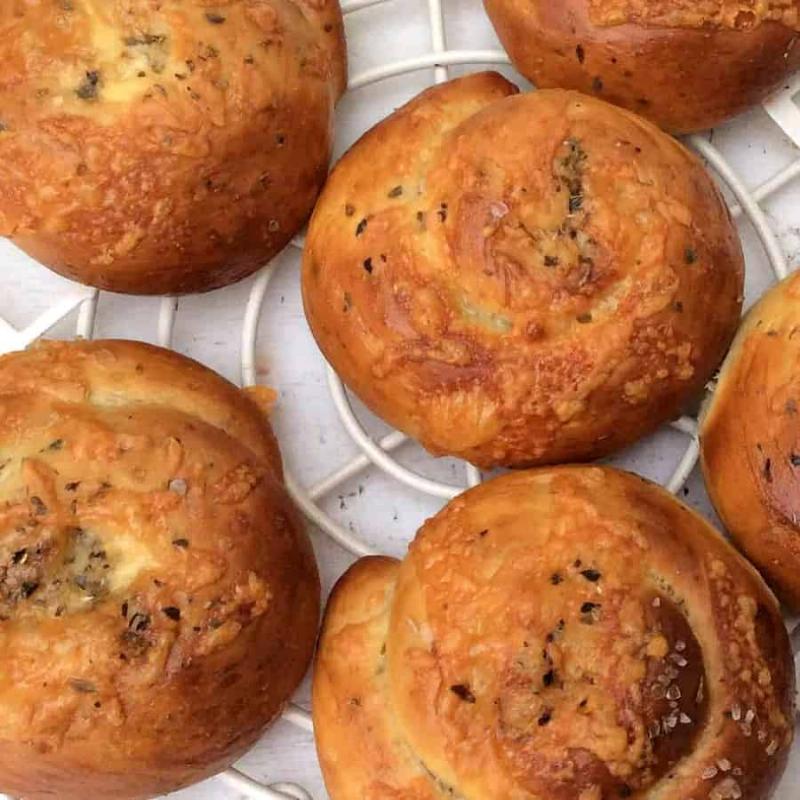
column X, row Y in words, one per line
column 749, row 438
column 686, row 65
column 158, row 596
column 164, row 147
column 571, row 633
column 521, row 279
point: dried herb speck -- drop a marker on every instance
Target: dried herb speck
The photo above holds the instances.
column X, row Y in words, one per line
column 591, row 575
column 184, row 543
column 768, row 470
column 39, row 508
column 172, row 612
column 551, row 261
column 214, row 18
column 690, row 256
column 144, row 39
column 139, row 622
column 82, row 686
column 556, row 578
column 545, row 717
column 580, row 53
column 88, row 88
column 361, row 227
column 463, row 692
column 589, row 613
column 597, row 84
column 396, row 192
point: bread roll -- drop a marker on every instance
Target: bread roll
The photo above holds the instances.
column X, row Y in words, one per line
column 562, row 634
column 685, row 64
column 521, row 279
column 158, row 595
column 749, row 439
column 164, row 147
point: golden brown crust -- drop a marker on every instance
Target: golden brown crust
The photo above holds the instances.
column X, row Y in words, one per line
column 750, row 449
column 559, row 634
column 350, row 665
column 685, row 65
column 158, row 596
column 157, row 147
column 521, row 279
column 732, row 14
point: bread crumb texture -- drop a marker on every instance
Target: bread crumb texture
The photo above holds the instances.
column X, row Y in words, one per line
column 733, row 14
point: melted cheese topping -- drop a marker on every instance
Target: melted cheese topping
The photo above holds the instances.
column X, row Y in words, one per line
column 733, row 14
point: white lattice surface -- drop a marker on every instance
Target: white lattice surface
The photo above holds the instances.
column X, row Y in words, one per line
column 365, row 488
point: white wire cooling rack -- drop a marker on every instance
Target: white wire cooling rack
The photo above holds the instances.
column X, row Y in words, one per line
column 434, row 60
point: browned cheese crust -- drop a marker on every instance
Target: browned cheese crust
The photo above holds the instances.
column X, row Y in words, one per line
column 521, row 279
column 158, row 595
column 685, row 64
column 569, row 633
column 750, row 439
column 161, row 146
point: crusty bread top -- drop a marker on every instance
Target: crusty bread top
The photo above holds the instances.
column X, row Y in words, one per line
column 158, row 596
column 572, row 633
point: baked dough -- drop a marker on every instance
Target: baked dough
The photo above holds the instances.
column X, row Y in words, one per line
column 686, row 64
column 158, row 595
column 521, row 279
column 164, row 146
column 749, row 439
column 570, row 633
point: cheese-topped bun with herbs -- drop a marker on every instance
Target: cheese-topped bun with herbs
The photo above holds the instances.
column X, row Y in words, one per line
column 158, row 595
column 750, row 439
column 164, row 146
column 521, row 279
column 562, row 634
column 685, row 64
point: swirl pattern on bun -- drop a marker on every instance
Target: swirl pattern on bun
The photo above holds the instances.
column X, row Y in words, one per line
column 557, row 634
column 521, row 279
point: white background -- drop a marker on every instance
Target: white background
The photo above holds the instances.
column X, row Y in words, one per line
column 314, row 443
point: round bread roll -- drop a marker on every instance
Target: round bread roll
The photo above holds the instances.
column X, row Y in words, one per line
column 750, row 439
column 158, row 595
column 164, row 147
column 521, row 279
column 684, row 64
column 563, row 634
